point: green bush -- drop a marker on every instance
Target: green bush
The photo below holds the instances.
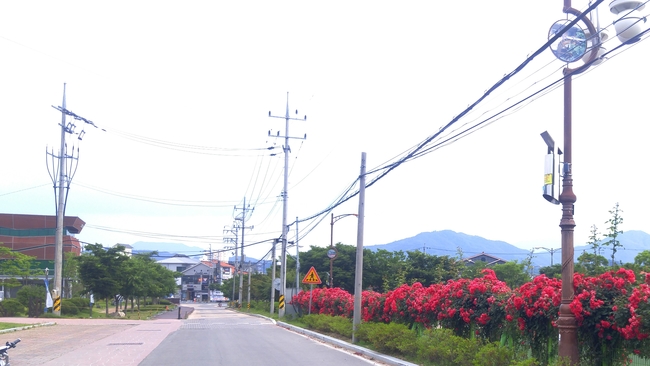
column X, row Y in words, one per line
column 528, row 362
column 442, row 348
column 33, row 298
column 492, row 354
column 80, row 302
column 341, row 326
column 391, row 337
column 318, row 321
column 11, row 307
column 68, row 307
column 164, row 302
column 329, row 324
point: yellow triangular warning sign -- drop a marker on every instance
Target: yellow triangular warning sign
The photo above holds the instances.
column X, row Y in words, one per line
column 311, row 278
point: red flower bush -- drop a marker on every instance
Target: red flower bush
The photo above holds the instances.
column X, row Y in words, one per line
column 612, row 312
column 596, row 308
column 330, row 301
column 372, row 306
column 535, row 306
column 407, row 304
column 462, row 305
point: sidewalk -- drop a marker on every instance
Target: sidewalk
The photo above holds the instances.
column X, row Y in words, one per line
column 87, row 342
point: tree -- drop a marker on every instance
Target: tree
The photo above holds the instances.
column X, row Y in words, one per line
column 614, row 230
column 591, row 264
column 14, row 264
column 33, row 298
column 513, row 273
column 429, row 269
column 70, row 274
column 343, row 266
column 594, row 240
column 383, row 270
column 473, row 270
column 101, row 271
column 642, row 260
column 554, row 271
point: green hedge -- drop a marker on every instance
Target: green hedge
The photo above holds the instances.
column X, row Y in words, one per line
column 11, row 307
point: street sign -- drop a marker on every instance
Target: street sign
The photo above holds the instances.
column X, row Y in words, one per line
column 311, row 278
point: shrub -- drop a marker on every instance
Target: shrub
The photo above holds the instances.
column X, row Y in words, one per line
column 11, row 307
column 341, row 326
column 68, row 307
column 164, row 302
column 32, row 297
column 492, row 354
column 391, row 337
column 528, row 362
column 442, row 348
column 329, row 324
column 80, row 302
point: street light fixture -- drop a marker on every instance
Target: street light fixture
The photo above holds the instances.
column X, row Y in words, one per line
column 331, row 252
column 551, row 250
column 570, row 45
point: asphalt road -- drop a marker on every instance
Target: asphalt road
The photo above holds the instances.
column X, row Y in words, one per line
column 216, row 336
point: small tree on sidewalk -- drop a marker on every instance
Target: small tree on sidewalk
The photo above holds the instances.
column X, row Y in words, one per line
column 614, row 230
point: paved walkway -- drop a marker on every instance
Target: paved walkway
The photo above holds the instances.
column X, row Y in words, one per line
column 87, row 342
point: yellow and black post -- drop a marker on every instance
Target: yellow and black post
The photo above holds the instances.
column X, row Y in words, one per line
column 57, row 304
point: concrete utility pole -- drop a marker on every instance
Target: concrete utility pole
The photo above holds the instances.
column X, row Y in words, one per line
column 61, row 174
column 285, row 199
column 244, row 209
column 275, row 242
column 297, row 259
column 358, row 273
column 234, row 230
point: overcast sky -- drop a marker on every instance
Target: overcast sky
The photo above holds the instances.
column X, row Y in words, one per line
column 183, row 91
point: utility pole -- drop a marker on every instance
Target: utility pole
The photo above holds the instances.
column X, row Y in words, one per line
column 285, row 199
column 275, row 242
column 245, row 209
column 358, row 273
column 249, row 287
column 297, row 259
column 234, row 230
column 61, row 175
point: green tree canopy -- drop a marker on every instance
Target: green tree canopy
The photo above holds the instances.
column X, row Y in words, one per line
column 591, row 264
column 102, row 271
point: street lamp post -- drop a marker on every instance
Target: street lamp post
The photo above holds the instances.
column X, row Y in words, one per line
column 550, row 250
column 332, row 253
column 570, row 45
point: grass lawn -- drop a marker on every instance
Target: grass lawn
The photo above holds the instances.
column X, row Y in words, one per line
column 12, row 325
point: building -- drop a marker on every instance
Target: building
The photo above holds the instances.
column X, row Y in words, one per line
column 222, row 270
column 178, row 262
column 488, row 259
column 34, row 235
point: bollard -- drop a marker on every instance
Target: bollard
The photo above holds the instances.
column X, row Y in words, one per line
column 179, row 312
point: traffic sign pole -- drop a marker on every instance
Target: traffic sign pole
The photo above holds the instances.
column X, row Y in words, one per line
column 311, row 291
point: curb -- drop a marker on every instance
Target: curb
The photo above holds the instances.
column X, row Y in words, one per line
column 27, row 327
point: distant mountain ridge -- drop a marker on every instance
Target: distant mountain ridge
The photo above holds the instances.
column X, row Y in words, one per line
column 448, row 242
column 166, row 250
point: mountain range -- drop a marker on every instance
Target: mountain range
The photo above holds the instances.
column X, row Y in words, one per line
column 450, row 243
column 447, row 242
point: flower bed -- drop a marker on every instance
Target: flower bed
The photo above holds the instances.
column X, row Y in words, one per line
column 612, row 312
